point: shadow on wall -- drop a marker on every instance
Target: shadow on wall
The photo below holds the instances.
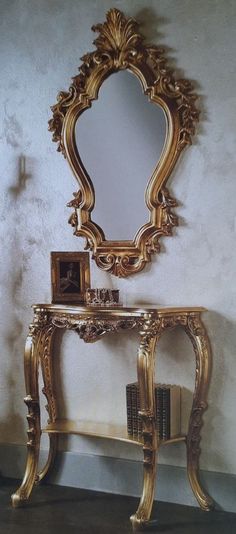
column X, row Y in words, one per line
column 13, row 427
column 150, row 25
column 222, row 333
column 219, row 419
column 23, row 177
column 59, row 389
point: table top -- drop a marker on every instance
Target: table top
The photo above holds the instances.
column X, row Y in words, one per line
column 116, row 311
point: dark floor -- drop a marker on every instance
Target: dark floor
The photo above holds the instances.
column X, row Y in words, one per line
column 62, row 510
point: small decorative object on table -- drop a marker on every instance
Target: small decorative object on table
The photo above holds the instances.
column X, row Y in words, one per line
column 102, row 297
column 70, row 276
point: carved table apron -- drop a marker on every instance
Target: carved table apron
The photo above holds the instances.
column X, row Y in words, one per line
column 91, row 324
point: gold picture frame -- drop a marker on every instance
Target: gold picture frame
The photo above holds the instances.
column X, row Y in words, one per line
column 70, row 276
column 120, row 46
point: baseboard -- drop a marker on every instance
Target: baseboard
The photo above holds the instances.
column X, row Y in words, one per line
column 124, row 477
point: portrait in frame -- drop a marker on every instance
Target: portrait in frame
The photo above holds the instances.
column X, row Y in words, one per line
column 70, row 275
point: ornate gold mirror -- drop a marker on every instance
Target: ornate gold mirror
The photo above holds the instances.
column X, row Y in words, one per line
column 124, row 148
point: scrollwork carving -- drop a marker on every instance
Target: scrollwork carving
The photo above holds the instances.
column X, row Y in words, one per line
column 32, row 418
column 75, row 203
column 149, row 328
column 118, row 264
column 194, row 435
column 197, row 334
column 195, row 326
column 39, row 322
column 120, row 46
column 170, row 321
column 91, row 330
column 150, row 324
column 46, row 363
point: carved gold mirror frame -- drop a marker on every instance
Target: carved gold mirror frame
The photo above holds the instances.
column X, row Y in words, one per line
column 120, row 46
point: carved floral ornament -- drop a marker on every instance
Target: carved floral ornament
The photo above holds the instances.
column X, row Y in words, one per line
column 91, row 329
column 120, row 46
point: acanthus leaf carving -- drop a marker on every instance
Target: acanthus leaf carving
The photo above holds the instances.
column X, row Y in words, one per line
column 168, row 219
column 153, row 244
column 118, row 264
column 119, row 45
column 46, row 363
column 195, row 326
column 73, row 219
column 118, row 36
column 32, row 419
column 149, row 328
column 64, row 100
column 75, row 203
column 39, row 322
column 90, row 330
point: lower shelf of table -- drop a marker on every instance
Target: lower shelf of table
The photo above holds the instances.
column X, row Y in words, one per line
column 100, row 430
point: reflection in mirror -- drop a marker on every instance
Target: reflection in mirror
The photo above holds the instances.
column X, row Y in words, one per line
column 120, row 140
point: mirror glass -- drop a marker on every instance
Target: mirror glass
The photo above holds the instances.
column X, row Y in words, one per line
column 120, row 140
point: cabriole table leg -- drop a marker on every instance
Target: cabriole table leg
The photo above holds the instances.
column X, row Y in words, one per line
column 198, row 336
column 146, row 353
column 46, row 359
column 31, row 362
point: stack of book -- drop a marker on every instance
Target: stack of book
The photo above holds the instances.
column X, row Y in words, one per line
column 167, row 410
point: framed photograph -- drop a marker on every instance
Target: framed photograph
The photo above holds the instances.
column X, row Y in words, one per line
column 70, row 276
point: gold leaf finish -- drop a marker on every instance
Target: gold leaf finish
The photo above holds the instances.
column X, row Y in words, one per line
column 92, row 324
column 120, row 46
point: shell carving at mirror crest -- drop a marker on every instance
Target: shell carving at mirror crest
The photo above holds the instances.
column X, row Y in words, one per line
column 120, row 46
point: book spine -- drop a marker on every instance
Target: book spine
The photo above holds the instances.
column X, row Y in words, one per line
column 167, row 410
column 159, row 411
column 134, row 409
column 166, row 413
column 129, row 409
column 175, row 411
column 140, row 421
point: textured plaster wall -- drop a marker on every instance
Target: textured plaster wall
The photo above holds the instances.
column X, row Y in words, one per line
column 41, row 43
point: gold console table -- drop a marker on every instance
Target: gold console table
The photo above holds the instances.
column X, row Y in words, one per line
column 91, row 324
